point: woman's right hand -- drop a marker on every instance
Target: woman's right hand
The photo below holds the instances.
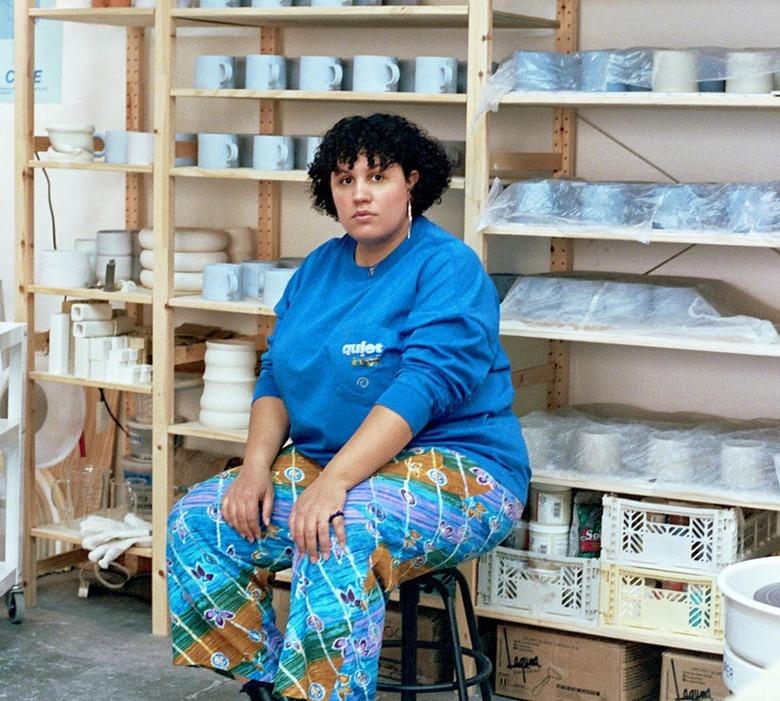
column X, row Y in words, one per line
column 241, row 503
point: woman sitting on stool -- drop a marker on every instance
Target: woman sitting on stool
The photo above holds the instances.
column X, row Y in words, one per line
column 386, row 372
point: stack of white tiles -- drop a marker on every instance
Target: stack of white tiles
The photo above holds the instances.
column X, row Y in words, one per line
column 92, row 343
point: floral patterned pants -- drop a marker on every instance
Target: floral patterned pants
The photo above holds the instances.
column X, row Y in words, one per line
column 427, row 509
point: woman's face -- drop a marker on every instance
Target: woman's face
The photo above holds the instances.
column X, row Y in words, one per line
column 372, row 202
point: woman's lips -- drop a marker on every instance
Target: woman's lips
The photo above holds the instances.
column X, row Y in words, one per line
column 363, row 216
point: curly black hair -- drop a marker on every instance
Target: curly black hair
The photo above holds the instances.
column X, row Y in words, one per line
column 387, row 139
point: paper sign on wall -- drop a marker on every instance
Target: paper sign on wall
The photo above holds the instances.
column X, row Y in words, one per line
column 48, row 55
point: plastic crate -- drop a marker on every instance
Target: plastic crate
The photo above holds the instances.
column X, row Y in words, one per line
column 705, row 539
column 678, row 603
column 568, row 591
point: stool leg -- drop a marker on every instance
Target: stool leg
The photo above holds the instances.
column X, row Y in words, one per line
column 471, row 621
column 460, row 671
column 410, row 600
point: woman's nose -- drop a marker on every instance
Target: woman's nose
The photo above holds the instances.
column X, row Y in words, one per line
column 361, row 191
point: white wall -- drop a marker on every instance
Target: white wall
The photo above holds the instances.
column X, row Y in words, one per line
column 692, row 145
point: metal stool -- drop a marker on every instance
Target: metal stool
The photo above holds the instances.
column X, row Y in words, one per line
column 445, row 582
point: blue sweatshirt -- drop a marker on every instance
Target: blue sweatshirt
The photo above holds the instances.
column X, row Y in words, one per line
column 418, row 335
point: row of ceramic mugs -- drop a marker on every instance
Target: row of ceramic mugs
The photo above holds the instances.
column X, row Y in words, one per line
column 254, row 279
column 366, row 73
column 258, row 151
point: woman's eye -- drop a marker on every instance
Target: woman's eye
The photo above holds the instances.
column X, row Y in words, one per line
column 378, row 177
column 345, row 181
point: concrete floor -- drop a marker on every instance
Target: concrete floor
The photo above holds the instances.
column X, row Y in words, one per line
column 69, row 649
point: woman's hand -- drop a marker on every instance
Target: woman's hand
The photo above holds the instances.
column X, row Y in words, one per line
column 240, row 505
column 309, row 516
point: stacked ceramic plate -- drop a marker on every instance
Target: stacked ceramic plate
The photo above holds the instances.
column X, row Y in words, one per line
column 193, row 248
column 751, row 591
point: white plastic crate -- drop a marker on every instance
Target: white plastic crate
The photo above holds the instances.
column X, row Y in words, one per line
column 568, row 591
column 682, row 604
column 705, row 539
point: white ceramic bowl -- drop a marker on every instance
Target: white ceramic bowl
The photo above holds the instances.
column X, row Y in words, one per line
column 737, row 673
column 187, row 261
column 114, row 243
column 182, row 282
column 123, row 269
column 224, row 419
column 752, row 629
column 187, row 239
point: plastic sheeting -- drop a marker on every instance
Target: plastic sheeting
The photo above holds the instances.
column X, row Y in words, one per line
column 637, row 69
column 632, row 303
column 708, row 455
column 742, row 209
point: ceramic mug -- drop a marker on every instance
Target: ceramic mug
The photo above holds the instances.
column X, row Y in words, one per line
column 222, row 282
column 305, row 150
column 596, row 73
column 435, row 74
column 213, row 72
column 265, row 72
column 742, row 463
column 74, row 139
column 276, row 280
column 675, row 71
column 598, row 450
column 217, row 150
column 670, row 457
column 749, row 72
column 253, row 277
column 319, row 73
column 374, row 74
column 406, row 79
column 140, row 147
column 271, row 152
column 116, row 146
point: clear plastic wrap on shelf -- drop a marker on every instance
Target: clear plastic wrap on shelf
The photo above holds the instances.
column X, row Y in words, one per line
column 636, row 69
column 636, row 209
column 639, row 304
column 664, row 453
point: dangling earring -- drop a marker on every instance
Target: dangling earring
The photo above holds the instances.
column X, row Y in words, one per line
column 409, row 214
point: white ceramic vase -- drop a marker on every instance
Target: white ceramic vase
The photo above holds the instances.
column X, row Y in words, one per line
column 228, row 384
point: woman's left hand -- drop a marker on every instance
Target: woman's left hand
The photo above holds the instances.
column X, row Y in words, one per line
column 309, row 525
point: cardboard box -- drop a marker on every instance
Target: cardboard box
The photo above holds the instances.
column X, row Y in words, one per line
column 544, row 665
column 686, row 677
column 432, row 666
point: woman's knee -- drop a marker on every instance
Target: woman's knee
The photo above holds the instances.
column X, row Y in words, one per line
column 202, row 501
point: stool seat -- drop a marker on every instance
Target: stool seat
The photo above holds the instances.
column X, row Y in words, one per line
column 444, row 582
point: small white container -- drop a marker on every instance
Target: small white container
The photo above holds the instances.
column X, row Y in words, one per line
column 742, row 463
column 598, row 450
column 140, row 440
column 548, row 540
column 114, row 242
column 550, row 506
column 737, row 673
column 65, row 269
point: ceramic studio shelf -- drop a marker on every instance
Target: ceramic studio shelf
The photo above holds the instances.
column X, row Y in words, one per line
column 341, row 96
column 644, row 487
column 514, row 328
column 101, row 167
column 116, row 16
column 198, row 430
column 650, row 637
column 712, row 238
column 139, row 296
column 69, row 532
column 245, row 306
column 84, row 382
column 641, row 99
column 438, row 16
column 284, row 176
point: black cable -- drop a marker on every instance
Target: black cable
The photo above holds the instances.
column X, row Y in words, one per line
column 111, row 413
column 669, row 259
column 51, row 206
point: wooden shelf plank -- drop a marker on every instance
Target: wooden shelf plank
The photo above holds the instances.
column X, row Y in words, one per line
column 83, row 382
column 575, row 98
column 117, row 16
column 245, row 306
column 711, row 238
column 286, row 176
column 104, row 167
column 514, row 328
column 198, row 430
column 650, row 637
column 69, row 532
column 433, row 16
column 639, row 487
column 139, row 296
column 326, row 96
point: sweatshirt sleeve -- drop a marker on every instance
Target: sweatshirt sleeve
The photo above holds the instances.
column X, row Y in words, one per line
column 451, row 340
column 266, row 383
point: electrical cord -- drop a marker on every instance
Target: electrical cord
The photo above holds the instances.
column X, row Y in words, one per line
column 51, row 206
column 111, row 413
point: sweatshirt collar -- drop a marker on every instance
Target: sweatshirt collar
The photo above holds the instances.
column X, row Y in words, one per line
column 358, row 272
